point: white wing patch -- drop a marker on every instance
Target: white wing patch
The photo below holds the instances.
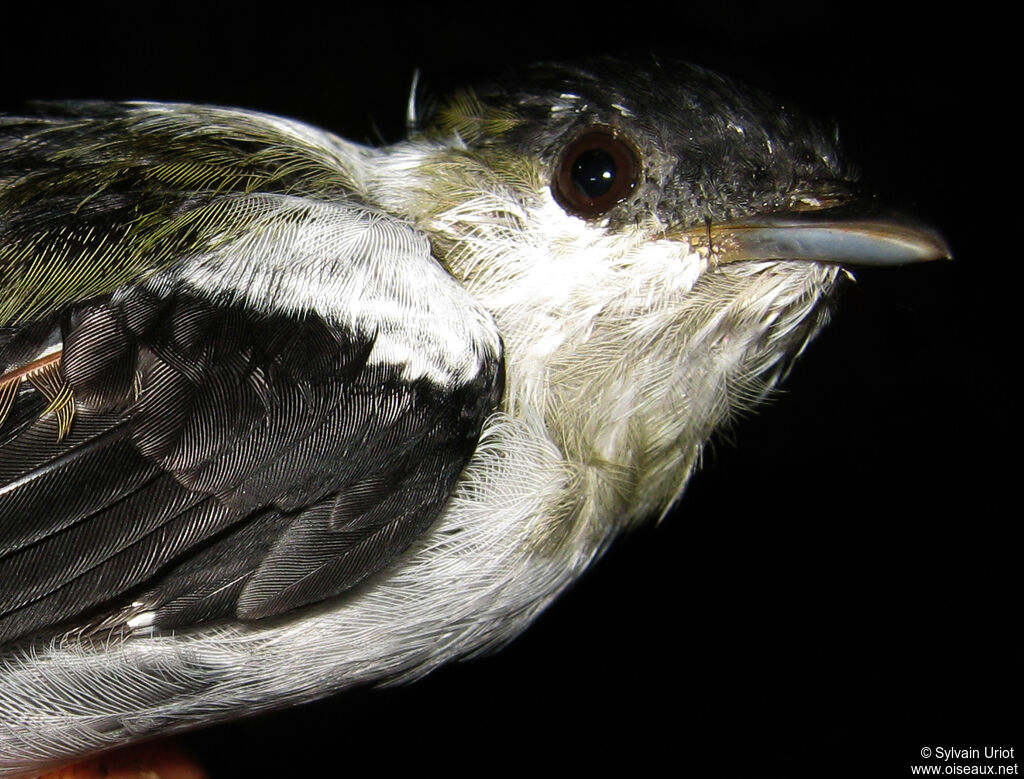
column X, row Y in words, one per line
column 355, row 267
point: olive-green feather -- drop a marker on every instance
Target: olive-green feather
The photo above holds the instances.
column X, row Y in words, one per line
column 472, row 119
column 94, row 196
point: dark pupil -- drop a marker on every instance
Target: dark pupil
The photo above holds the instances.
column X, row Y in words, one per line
column 593, row 172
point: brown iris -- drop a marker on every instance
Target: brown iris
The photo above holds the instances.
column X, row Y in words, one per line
column 596, row 170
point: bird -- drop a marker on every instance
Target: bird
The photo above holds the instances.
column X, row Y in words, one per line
column 282, row 414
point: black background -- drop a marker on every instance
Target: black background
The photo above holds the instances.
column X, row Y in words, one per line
column 840, row 586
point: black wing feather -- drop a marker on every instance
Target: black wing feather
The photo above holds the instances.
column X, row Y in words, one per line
column 251, row 464
column 207, row 585
column 69, row 486
column 120, row 572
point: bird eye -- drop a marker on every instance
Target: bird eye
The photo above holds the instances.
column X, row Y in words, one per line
column 597, row 169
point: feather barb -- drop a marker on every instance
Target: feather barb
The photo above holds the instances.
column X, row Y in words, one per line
column 47, row 376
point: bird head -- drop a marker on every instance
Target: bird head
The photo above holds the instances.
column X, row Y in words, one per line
column 656, row 245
